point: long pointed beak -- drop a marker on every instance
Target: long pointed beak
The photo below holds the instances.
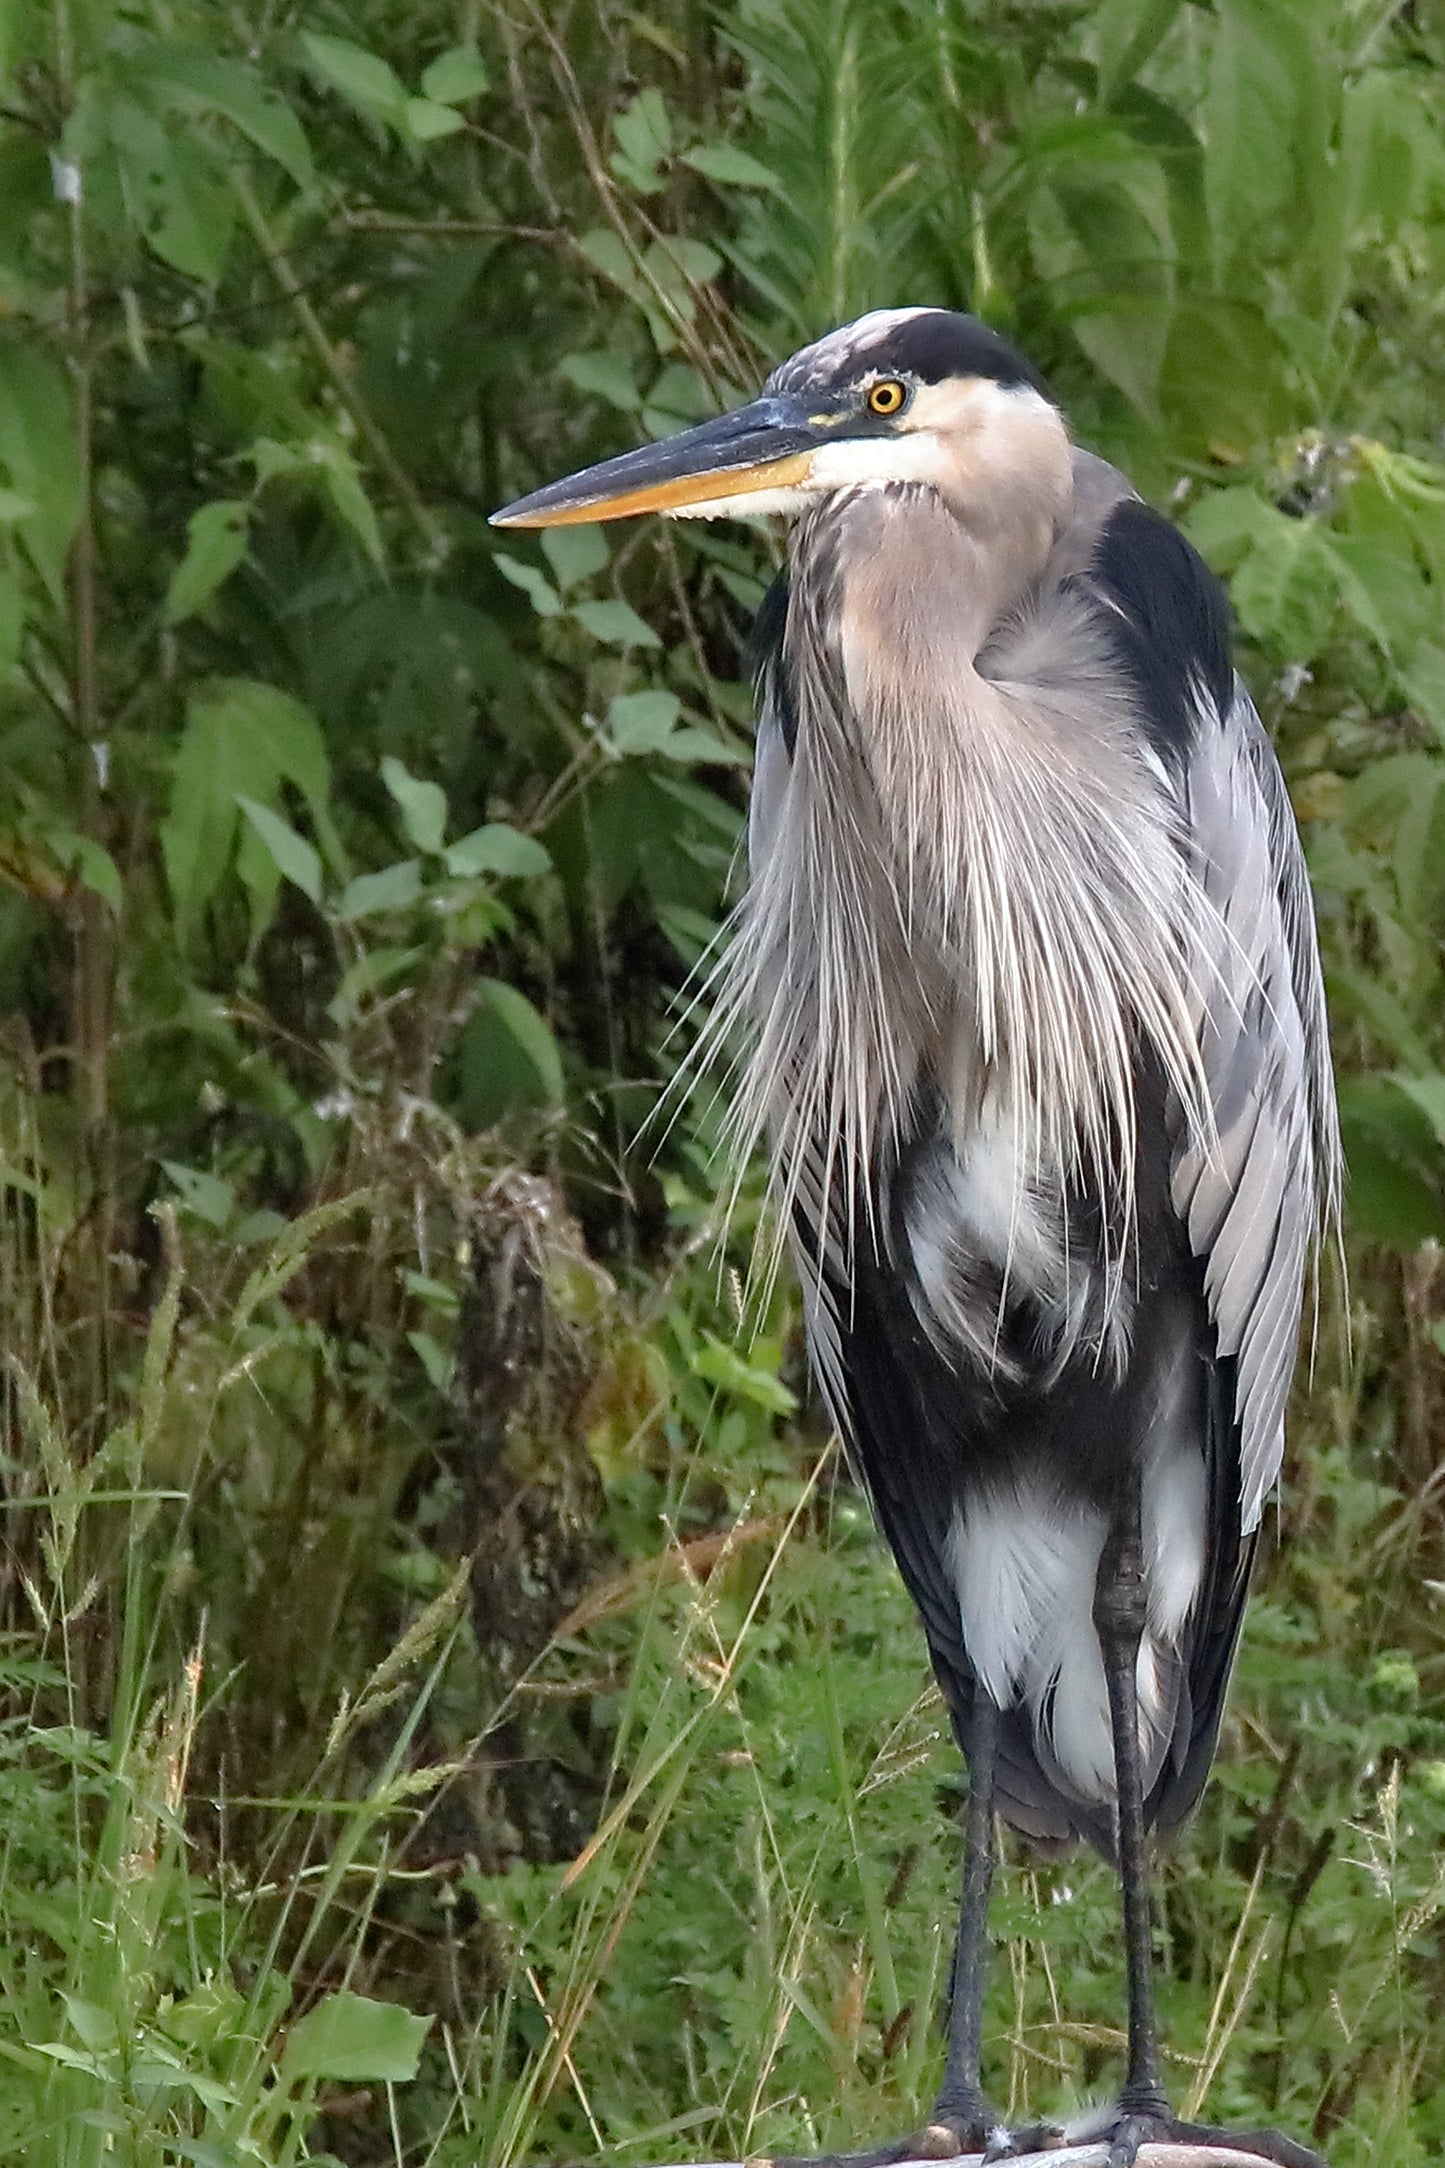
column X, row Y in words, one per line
column 766, row 446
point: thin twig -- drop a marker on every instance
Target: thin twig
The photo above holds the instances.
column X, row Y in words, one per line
column 332, row 364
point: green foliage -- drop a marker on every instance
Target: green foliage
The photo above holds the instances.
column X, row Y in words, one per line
column 450, row 1704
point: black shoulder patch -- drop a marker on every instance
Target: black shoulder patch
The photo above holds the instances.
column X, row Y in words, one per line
column 766, row 663
column 941, row 343
column 1172, row 624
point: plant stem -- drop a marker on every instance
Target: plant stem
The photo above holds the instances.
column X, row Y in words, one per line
column 334, row 368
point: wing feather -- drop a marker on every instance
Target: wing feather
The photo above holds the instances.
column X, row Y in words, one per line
column 1253, row 1195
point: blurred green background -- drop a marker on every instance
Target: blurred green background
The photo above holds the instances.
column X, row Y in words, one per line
column 453, row 1708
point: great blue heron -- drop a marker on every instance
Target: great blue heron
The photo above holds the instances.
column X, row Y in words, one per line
column 1039, row 1046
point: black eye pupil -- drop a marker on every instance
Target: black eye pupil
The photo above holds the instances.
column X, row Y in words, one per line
column 886, row 398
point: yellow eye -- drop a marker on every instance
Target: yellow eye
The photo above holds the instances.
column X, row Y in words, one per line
column 887, row 396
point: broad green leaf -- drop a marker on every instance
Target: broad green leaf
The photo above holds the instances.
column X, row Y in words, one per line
column 695, row 745
column 650, row 723
column 216, row 541
column 680, row 257
column 1287, row 589
column 721, row 1364
column 94, row 2027
column 616, row 622
column 535, row 585
column 425, row 120
column 352, row 2038
column 88, row 862
column 38, row 456
column 394, row 888
column 341, row 480
column 497, row 849
column 294, row 858
column 423, row 805
column 324, row 459
column 678, row 394
column 574, row 553
column 174, row 186
column 1428, row 1093
column 201, row 80
column 364, row 79
column 1103, row 238
column 730, row 167
column 507, row 1059
column 12, row 621
column 643, row 134
column 434, row 1359
column 1262, row 71
column 455, row 76
column 1424, row 682
column 1225, row 525
column 1397, row 1169
column 609, row 255
column 203, row 1195
column 242, row 739
column 603, row 376
column 1126, row 35
column 642, row 722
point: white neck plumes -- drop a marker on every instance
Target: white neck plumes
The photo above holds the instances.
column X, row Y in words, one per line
column 963, row 877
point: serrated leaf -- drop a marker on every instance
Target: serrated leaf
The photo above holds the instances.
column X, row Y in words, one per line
column 535, row 585
column 455, row 76
column 497, row 849
column 294, row 858
column 1288, row 587
column 364, row 79
column 730, row 167
column 1262, row 76
column 394, row 888
column 242, row 738
column 216, row 540
column 616, row 622
column 423, row 805
column 350, row 2037
column 574, row 553
column 425, row 120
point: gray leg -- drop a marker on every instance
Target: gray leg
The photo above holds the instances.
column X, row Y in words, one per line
column 961, row 2099
column 1119, row 1607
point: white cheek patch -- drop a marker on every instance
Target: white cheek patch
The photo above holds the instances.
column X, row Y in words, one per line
column 914, row 455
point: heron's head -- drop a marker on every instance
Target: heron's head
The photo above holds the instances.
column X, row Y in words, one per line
column 902, row 396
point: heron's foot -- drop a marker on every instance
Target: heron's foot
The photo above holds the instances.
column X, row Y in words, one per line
column 973, row 2130
column 1127, row 2128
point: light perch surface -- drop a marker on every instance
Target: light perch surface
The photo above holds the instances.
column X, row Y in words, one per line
column 1093, row 2155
